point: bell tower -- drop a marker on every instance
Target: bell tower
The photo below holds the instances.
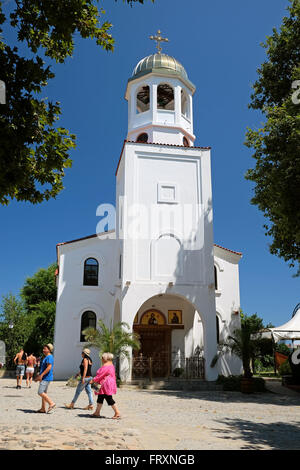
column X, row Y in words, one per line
column 164, row 218
column 160, row 101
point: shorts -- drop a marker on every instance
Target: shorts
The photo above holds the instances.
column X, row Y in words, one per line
column 108, row 398
column 30, row 370
column 20, row 370
column 43, row 387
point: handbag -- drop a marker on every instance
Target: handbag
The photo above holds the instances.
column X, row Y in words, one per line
column 96, row 386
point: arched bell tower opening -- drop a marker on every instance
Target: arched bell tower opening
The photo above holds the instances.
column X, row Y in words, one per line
column 165, row 97
column 143, row 99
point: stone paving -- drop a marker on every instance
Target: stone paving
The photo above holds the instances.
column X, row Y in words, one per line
column 151, row 419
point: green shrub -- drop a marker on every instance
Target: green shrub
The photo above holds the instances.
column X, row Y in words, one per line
column 178, row 372
column 232, row 383
column 259, row 384
column 283, row 349
column 285, row 369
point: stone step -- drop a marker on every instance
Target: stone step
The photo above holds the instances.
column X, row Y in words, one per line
column 7, row 373
column 171, row 384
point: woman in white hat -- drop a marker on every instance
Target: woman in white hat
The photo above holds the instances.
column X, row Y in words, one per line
column 85, row 378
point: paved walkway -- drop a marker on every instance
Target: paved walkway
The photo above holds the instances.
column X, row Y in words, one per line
column 275, row 386
column 151, row 419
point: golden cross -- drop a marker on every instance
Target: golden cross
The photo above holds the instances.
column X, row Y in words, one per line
column 159, row 39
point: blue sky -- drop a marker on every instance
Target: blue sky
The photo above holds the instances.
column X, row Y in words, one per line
column 219, row 45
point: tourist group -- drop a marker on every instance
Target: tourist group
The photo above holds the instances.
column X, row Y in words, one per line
column 104, row 382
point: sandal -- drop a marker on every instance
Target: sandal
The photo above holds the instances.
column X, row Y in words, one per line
column 89, row 407
column 70, row 406
column 51, row 407
column 116, row 417
column 40, row 411
column 95, row 416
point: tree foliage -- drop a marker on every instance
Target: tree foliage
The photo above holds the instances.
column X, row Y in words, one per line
column 15, row 326
column 252, row 322
column 276, row 144
column 41, row 287
column 34, row 151
column 32, row 315
column 39, row 296
column 43, row 315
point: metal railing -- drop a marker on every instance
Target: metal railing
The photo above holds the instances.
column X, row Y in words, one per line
column 149, row 367
column 160, row 366
column 195, row 367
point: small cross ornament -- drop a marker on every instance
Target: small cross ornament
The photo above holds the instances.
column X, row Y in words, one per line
column 158, row 38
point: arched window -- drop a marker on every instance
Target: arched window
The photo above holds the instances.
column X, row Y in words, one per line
column 88, row 319
column 185, row 142
column 216, row 278
column 218, row 329
column 143, row 99
column 142, row 138
column 165, row 97
column 91, row 270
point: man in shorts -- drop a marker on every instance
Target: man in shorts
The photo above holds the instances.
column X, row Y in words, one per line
column 20, row 361
column 45, row 377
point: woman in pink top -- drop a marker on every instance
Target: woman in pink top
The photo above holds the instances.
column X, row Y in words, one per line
column 106, row 377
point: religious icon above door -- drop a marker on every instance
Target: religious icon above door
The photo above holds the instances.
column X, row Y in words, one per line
column 153, row 318
column 175, row 317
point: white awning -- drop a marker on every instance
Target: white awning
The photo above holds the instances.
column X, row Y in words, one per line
column 289, row 330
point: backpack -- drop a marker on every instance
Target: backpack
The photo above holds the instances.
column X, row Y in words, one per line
column 24, row 356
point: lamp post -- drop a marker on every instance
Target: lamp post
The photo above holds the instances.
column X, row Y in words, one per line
column 10, row 326
column 2, row 92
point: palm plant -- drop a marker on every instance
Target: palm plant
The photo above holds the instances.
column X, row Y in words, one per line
column 244, row 343
column 244, row 346
column 114, row 339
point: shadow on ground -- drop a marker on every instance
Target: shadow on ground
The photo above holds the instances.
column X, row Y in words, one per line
column 28, row 411
column 277, row 436
column 231, row 397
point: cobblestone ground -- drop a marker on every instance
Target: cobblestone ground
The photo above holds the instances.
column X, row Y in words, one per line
column 152, row 420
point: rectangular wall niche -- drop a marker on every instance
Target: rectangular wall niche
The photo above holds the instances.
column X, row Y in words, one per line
column 167, row 193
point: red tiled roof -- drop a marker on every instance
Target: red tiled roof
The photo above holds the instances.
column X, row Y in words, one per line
column 227, row 249
column 167, row 145
column 84, row 238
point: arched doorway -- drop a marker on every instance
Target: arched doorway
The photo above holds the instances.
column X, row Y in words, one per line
column 173, row 334
column 155, row 339
column 154, row 358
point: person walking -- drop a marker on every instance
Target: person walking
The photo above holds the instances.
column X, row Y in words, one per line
column 45, row 377
column 30, row 365
column 85, row 379
column 20, row 361
column 106, row 377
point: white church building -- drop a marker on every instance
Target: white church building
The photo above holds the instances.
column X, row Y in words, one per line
column 158, row 270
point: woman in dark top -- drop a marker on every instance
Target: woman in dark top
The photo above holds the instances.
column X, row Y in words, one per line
column 85, row 378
